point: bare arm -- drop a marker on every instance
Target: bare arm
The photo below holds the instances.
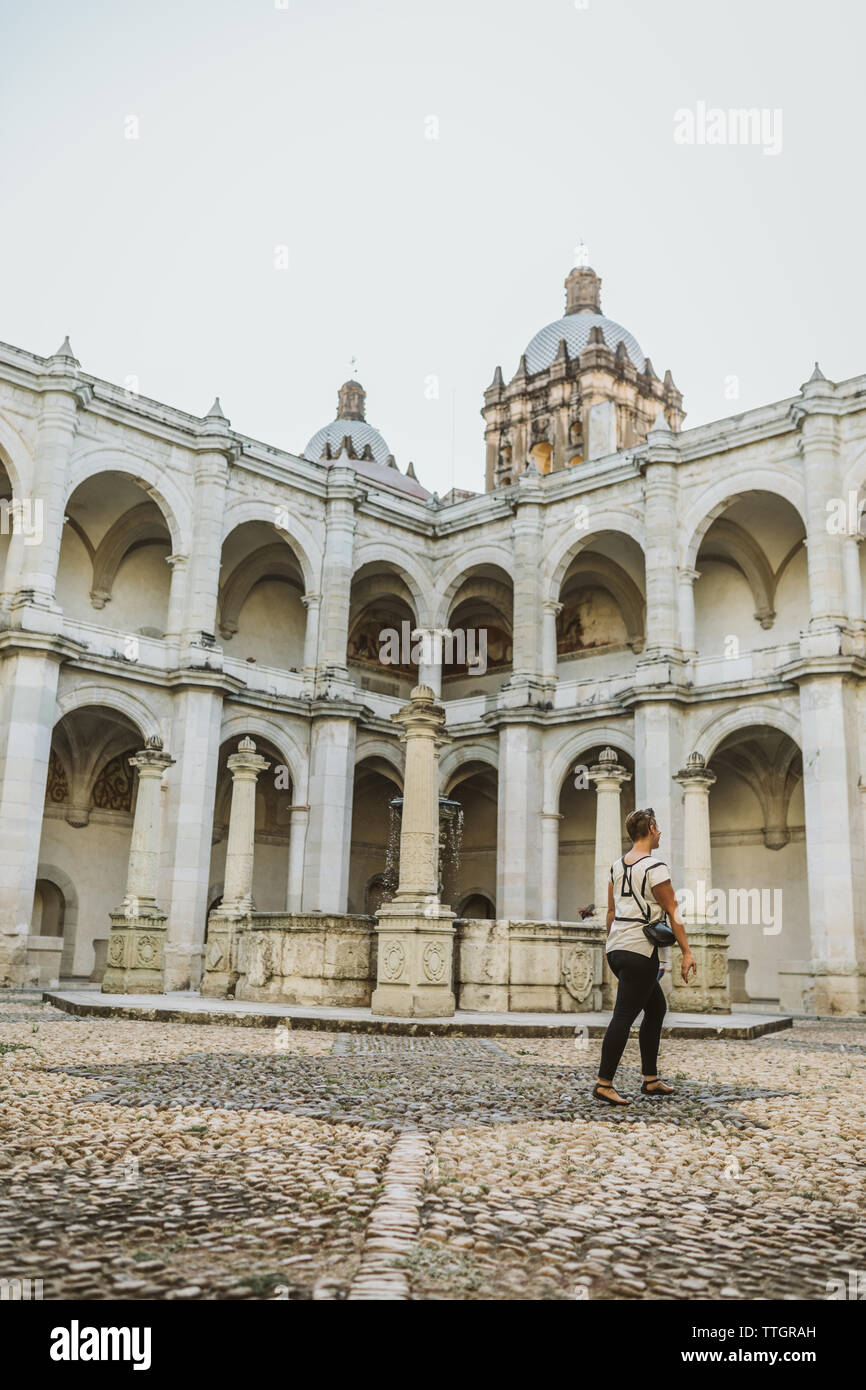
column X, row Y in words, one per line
column 666, row 899
column 611, row 908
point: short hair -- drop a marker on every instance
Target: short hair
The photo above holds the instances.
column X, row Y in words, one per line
column 638, row 824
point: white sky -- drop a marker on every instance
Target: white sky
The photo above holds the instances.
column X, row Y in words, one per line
column 305, row 127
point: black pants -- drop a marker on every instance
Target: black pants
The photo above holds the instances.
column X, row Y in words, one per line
column 638, row 988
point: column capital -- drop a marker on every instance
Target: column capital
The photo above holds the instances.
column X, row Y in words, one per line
column 311, row 600
column 246, row 763
column 695, row 774
column 608, row 773
column 688, row 575
column 152, row 761
column 178, row 561
column 552, row 605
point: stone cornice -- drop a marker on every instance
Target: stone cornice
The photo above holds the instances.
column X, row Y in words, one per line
column 15, row 640
column 812, row 668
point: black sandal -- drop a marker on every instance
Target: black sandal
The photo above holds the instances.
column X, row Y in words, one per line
column 607, row 1100
column 656, row 1083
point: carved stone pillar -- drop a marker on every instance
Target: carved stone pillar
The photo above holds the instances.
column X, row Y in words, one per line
column 227, row 921
column 551, row 609
column 244, row 766
column 300, row 816
column 135, row 946
column 550, row 865
column 313, row 605
column 415, row 930
column 708, row 990
column 607, row 776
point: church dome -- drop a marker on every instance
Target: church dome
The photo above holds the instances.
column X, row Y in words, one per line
column 582, row 314
column 327, row 442
column 351, row 440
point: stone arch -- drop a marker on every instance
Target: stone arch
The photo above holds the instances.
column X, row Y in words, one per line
column 461, row 568
column 718, row 497
column 616, row 736
column 717, row 728
column 729, row 543
column 626, row 521
column 268, row 562
column 106, row 696
column 17, row 458
column 62, row 881
column 155, row 481
column 600, row 571
column 475, row 892
column 133, row 529
column 369, row 747
column 455, row 757
column 414, row 575
column 288, row 525
column 236, row 725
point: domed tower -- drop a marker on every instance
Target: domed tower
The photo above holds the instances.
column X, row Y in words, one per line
column 583, row 389
column 352, row 440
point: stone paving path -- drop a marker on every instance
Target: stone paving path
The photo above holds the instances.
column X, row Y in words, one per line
column 153, row 1160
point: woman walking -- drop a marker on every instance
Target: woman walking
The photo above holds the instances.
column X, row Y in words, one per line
column 639, row 895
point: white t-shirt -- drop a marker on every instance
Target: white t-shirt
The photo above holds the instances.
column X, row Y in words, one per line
column 626, row 929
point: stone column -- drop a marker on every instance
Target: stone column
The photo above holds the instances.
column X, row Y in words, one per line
column 179, row 565
column 432, row 652
column 831, row 723
column 551, row 609
column 518, row 827
column 337, row 569
column 331, row 793
column 299, row 820
column 661, row 506
column 313, row 605
column 244, row 766
column 708, row 991
column 64, row 394
column 853, row 583
column 824, row 549
column 29, row 670
column 527, row 544
column 211, row 479
column 415, row 931
column 607, row 776
column 687, row 579
column 550, row 865
column 226, row 921
column 135, row 946
column 196, row 722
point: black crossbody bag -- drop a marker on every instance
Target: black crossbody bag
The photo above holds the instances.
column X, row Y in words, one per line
column 659, row 933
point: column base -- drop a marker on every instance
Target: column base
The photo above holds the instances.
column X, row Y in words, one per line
column 13, row 957
column 184, row 966
column 414, row 976
column 135, row 955
column 822, row 987
column 707, row 992
column 220, row 956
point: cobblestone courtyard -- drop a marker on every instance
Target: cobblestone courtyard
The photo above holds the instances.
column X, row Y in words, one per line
column 144, row 1160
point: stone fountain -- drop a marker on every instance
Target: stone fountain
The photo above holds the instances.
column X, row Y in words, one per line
column 415, row 929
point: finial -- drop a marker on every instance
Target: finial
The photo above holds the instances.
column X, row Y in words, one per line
column 216, row 411
column 65, row 350
column 660, row 425
column 246, row 745
column 154, row 742
column 583, row 291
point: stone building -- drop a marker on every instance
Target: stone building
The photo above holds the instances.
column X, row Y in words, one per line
column 669, row 616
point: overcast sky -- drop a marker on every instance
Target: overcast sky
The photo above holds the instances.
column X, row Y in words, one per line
column 307, row 127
